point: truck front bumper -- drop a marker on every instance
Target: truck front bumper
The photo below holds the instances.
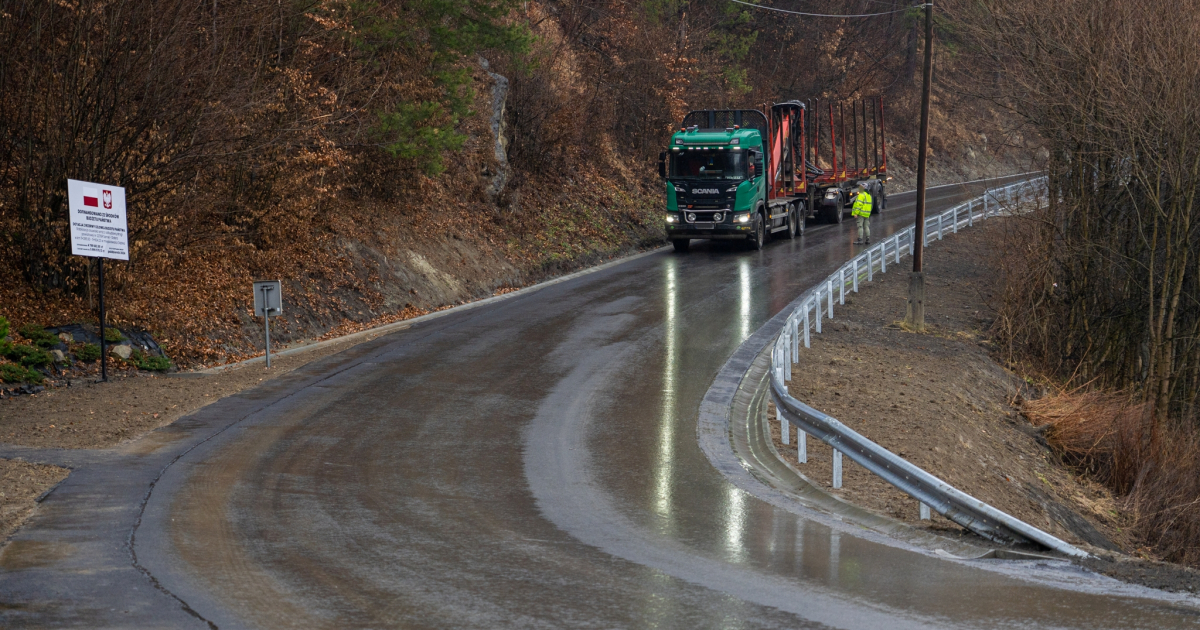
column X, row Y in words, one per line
column 730, row 231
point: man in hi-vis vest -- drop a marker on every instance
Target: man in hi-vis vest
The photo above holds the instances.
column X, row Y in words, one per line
column 862, row 214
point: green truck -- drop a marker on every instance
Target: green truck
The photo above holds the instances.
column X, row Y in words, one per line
column 744, row 174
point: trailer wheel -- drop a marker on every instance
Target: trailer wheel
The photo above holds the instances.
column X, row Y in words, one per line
column 681, row 245
column 792, row 221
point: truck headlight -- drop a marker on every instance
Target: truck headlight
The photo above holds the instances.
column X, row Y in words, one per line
column 717, row 217
column 742, row 218
column 671, row 218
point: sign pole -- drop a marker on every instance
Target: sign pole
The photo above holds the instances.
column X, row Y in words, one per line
column 103, row 341
column 267, row 322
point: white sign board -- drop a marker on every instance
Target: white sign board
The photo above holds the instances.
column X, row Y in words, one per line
column 98, row 227
column 268, row 298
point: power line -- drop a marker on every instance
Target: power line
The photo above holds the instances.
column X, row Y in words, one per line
column 827, row 15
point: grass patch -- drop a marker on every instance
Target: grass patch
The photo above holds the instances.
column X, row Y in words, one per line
column 14, row 373
column 87, row 352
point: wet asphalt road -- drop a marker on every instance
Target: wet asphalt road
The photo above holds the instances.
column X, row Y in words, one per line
column 532, row 462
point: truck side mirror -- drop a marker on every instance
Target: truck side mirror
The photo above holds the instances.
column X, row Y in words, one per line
column 662, row 164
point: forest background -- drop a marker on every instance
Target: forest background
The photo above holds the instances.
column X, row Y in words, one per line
column 385, row 159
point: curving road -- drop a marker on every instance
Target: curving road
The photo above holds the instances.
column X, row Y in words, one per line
column 531, row 462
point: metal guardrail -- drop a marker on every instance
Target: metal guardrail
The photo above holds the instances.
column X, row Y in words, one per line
column 932, row 492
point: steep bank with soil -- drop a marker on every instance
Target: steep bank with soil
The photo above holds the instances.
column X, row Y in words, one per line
column 940, row 400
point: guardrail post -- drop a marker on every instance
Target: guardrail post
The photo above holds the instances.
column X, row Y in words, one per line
column 970, row 212
column 837, row 468
column 842, row 284
column 870, row 265
column 956, row 208
column 924, row 512
column 912, row 240
column 940, row 226
column 784, row 428
column 801, row 446
column 897, row 250
column 817, row 308
column 985, row 204
column 883, row 257
column 794, row 324
column 829, row 287
column 806, row 345
column 855, row 275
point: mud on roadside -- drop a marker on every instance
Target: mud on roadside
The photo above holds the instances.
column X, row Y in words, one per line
column 940, row 401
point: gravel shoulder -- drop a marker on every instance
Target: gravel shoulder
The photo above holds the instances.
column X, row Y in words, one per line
column 941, row 401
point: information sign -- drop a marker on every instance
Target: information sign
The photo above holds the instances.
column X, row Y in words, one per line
column 98, row 226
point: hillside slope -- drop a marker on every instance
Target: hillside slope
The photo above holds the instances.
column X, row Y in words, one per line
column 371, row 157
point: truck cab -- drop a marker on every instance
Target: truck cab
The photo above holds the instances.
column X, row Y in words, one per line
column 715, row 184
column 734, row 174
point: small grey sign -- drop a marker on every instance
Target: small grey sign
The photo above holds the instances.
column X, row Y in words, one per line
column 268, row 298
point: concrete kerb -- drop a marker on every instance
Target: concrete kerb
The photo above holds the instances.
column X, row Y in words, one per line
column 726, row 435
column 372, row 333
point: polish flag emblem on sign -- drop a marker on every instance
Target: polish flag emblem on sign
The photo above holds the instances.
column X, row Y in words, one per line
column 91, row 197
column 108, row 200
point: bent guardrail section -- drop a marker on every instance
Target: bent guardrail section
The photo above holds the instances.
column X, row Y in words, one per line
column 948, row 501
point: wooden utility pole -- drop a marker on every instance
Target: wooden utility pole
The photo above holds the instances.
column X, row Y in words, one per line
column 915, row 313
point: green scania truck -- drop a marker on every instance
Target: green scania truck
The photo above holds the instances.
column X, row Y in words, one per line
column 744, row 174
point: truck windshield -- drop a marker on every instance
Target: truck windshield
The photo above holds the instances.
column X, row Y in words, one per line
column 708, row 165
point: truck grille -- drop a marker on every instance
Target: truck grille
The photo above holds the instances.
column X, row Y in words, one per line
column 705, row 216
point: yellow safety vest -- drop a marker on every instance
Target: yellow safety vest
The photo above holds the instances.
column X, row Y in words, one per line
column 862, row 205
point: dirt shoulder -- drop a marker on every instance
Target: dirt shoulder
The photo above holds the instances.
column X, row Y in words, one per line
column 21, row 485
column 940, row 401
column 90, row 414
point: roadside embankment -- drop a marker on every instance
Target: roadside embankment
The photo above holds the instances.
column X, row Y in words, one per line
column 940, row 400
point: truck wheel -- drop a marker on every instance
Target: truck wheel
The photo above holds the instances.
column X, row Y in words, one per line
column 682, row 244
column 759, row 238
column 792, row 221
column 833, row 214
